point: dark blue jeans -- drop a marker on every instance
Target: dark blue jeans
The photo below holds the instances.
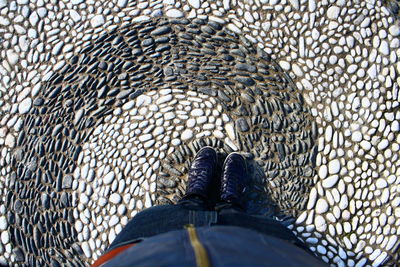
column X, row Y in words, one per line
column 161, row 219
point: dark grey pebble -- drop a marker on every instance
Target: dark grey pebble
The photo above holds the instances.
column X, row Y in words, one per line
column 77, row 249
column 246, row 67
column 245, row 80
column 45, row 200
column 147, row 42
column 208, row 91
column 55, row 263
column 242, row 125
column 161, row 30
column 277, row 122
column 161, row 40
column 281, row 151
column 18, row 206
column 57, row 129
column 67, row 182
column 38, row 101
column 19, row 254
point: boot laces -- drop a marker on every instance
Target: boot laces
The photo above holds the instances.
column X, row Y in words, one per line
column 199, row 177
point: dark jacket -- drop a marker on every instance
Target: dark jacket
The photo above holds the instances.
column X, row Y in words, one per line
column 214, row 246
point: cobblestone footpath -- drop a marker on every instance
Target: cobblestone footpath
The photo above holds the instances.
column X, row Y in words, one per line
column 103, row 104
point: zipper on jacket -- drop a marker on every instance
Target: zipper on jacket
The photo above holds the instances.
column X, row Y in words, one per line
column 199, row 250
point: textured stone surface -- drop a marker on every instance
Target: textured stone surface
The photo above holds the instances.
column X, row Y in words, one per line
column 85, row 125
column 341, row 55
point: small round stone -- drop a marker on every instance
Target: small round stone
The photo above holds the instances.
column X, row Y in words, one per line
column 115, row 198
column 109, row 178
column 187, row 134
column 10, row 140
column 330, row 181
column 334, row 166
column 174, row 13
column 333, row 12
column 97, row 21
column 25, row 106
column 3, row 223
column 321, row 206
column 320, row 223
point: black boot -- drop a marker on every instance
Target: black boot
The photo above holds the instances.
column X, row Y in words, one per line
column 234, row 180
column 201, row 174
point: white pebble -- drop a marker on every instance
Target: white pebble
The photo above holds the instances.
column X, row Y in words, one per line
column 122, row 3
column 75, row 15
column 295, row 4
column 333, row 12
column 284, row 64
column 128, row 105
column 230, row 131
column 394, row 30
column 147, row 203
column 365, row 145
column 25, row 106
column 383, row 144
column 86, row 249
column 197, row 112
column 322, row 206
column 113, row 221
column 323, row 171
column 164, row 99
column 190, row 123
column 334, row 166
column 320, row 223
column 97, row 21
column 381, row 183
column 312, row 5
column 187, row 134
column 174, row 13
column 218, row 134
column 384, row 48
column 109, row 178
column 3, row 223
column 115, row 198
column 330, row 181
column 356, row 136
column 10, row 140
column 194, row 3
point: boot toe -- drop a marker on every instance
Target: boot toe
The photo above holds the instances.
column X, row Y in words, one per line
column 207, row 153
column 235, row 163
column 201, row 172
column 234, row 178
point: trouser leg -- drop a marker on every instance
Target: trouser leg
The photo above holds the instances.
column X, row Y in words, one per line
column 234, row 215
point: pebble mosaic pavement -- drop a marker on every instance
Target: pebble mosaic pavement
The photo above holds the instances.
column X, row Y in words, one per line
column 104, row 103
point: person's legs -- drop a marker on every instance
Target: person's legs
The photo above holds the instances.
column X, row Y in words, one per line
column 161, row 219
column 193, row 208
column 231, row 210
column 229, row 214
column 232, row 215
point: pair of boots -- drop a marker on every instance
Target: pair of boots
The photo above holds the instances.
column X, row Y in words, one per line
column 203, row 172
